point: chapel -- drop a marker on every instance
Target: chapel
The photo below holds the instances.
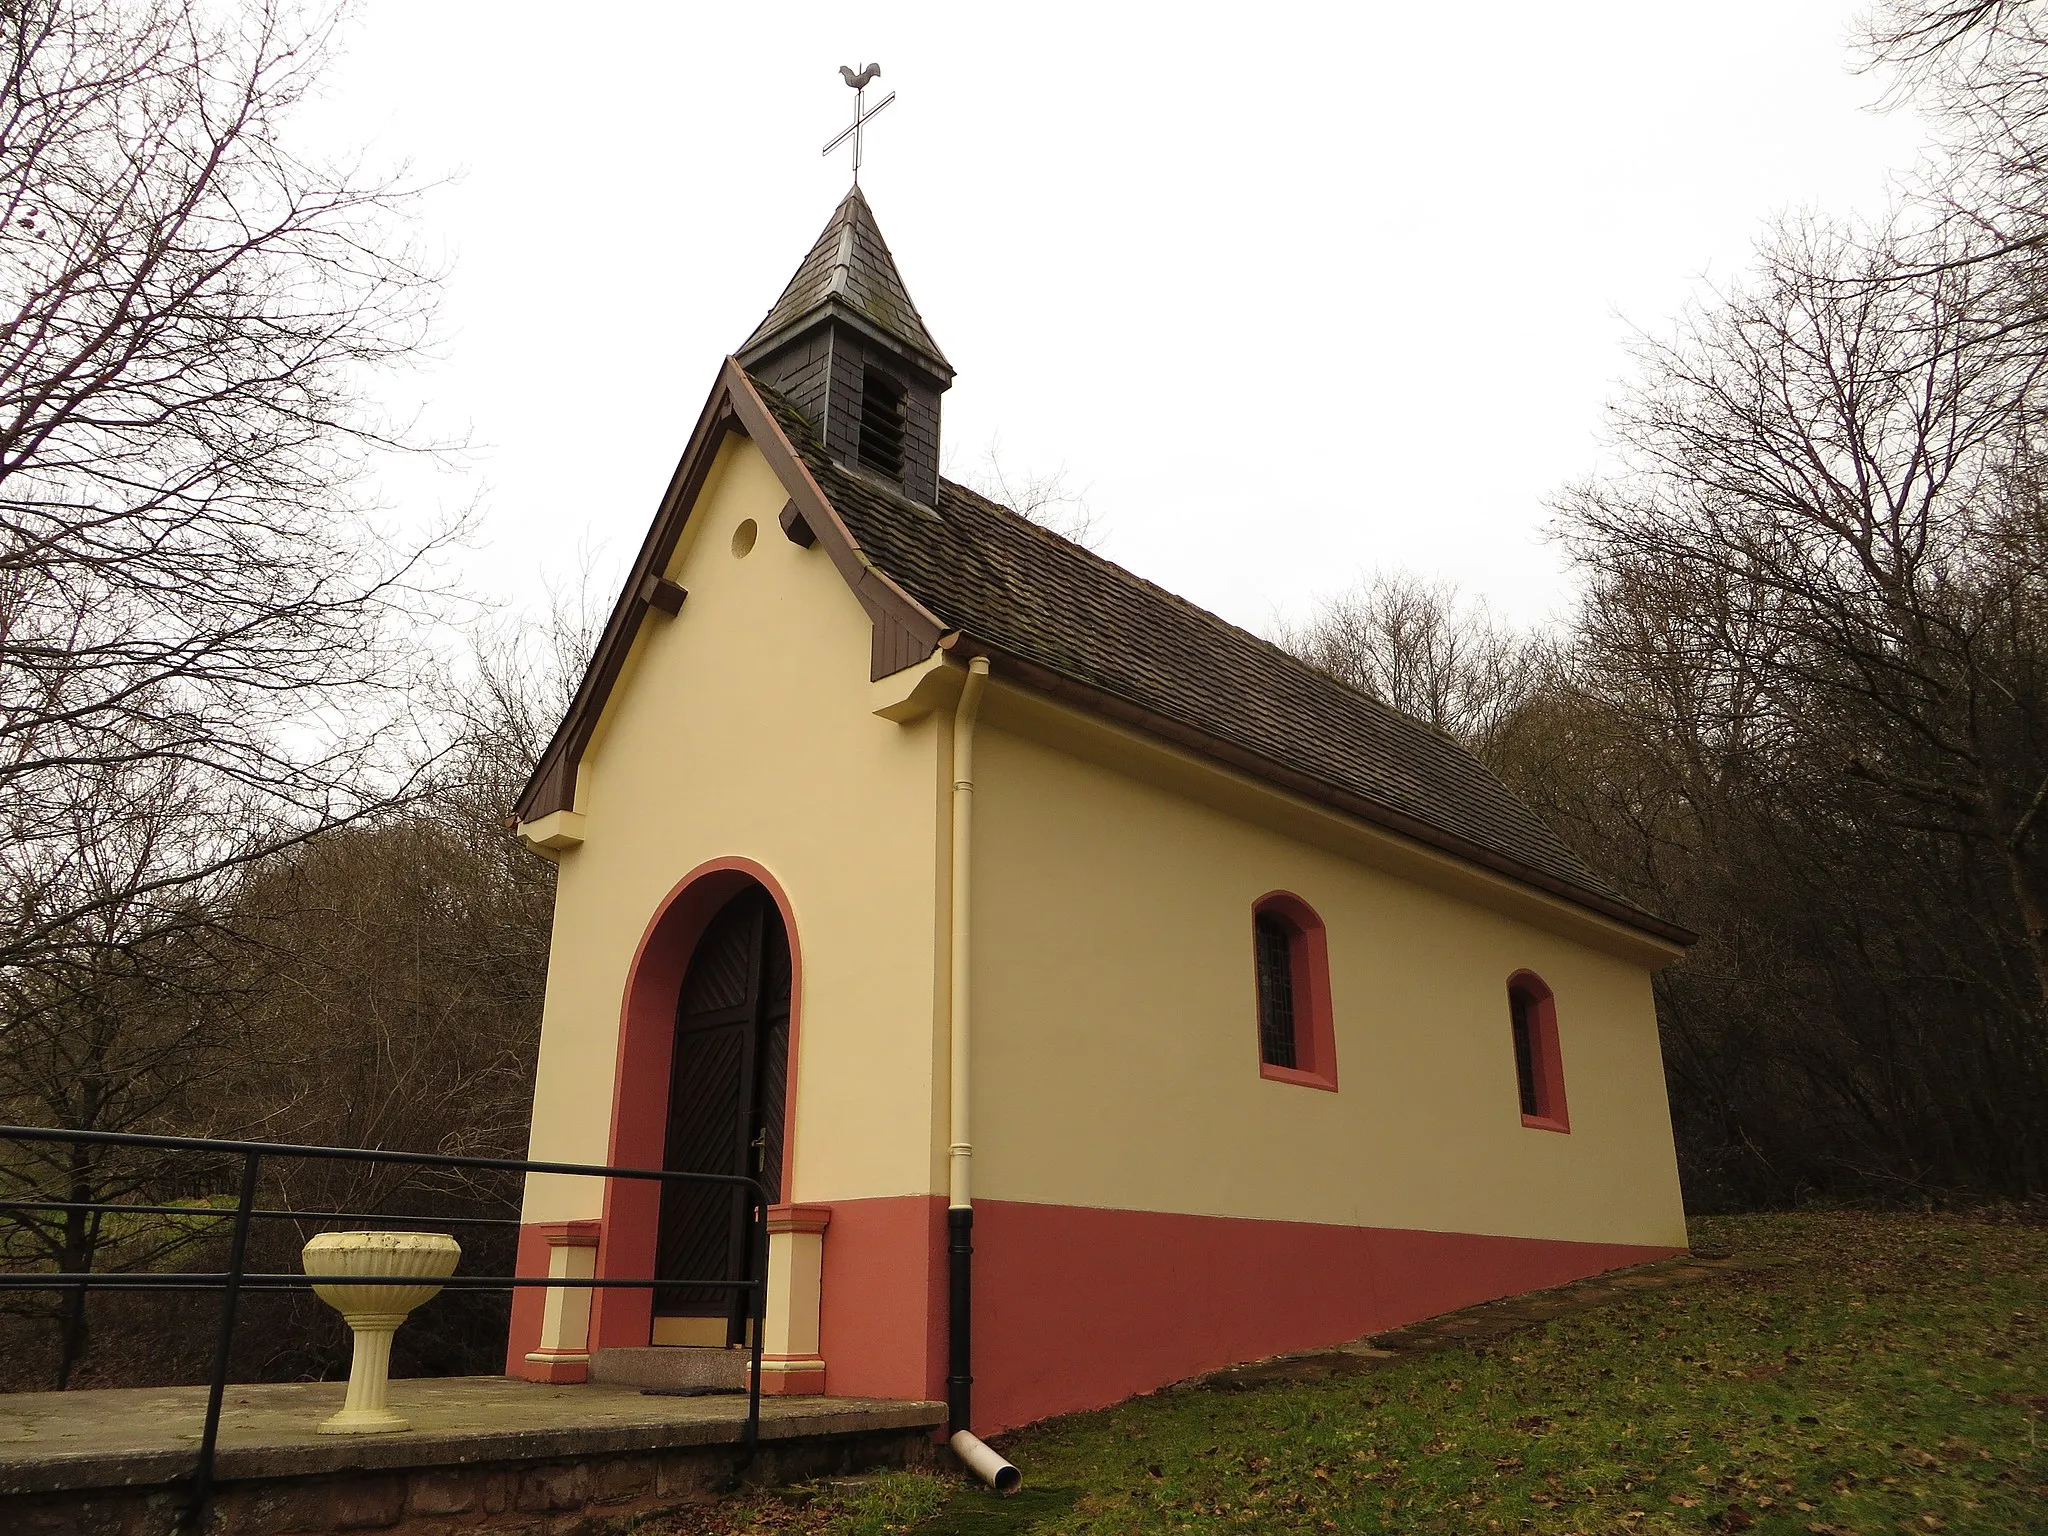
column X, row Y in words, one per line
column 1105, row 994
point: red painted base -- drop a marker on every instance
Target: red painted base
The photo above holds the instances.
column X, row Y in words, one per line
column 776, row 1383
column 1077, row 1308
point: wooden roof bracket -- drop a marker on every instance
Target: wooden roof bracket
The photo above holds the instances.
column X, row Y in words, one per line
column 662, row 595
column 795, row 528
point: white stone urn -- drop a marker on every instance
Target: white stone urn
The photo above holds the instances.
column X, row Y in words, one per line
column 373, row 1312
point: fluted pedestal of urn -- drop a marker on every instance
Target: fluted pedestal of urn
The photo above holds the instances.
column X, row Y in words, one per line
column 373, row 1312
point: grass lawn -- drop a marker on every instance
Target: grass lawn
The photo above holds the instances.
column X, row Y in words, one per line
column 1878, row 1373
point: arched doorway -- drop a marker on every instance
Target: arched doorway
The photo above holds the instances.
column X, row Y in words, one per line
column 728, row 1079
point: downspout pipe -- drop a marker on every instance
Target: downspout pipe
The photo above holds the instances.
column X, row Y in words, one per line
column 985, row 1463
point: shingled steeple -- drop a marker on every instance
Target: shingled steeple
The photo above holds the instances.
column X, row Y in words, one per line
column 848, row 347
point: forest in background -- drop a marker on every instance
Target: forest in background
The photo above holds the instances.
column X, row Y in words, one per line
column 1802, row 704
column 256, row 878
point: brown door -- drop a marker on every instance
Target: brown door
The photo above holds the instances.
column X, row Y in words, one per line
column 725, row 1103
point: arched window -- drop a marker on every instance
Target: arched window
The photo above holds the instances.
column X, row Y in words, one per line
column 1291, row 961
column 1539, row 1071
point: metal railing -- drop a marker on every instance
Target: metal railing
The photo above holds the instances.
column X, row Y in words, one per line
column 236, row 1278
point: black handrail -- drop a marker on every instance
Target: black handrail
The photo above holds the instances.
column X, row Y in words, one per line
column 215, row 1213
column 235, row 1279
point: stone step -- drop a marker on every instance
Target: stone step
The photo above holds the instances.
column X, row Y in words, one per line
column 670, row 1366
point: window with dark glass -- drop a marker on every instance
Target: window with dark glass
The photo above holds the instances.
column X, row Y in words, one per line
column 1539, row 1071
column 1275, row 940
column 1520, row 1011
column 881, row 423
column 1291, row 969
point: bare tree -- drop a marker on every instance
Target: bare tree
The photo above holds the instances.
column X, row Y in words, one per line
column 1045, row 499
column 378, row 984
column 206, row 637
column 1809, row 700
column 1839, row 455
column 1977, row 72
column 189, row 575
column 1416, row 645
column 1974, row 70
column 124, row 1023
column 521, row 678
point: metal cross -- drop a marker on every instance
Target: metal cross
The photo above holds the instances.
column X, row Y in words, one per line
column 861, row 112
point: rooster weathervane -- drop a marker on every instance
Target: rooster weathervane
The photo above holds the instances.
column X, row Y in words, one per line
column 858, row 79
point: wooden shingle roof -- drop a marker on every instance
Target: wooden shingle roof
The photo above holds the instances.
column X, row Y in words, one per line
column 1022, row 592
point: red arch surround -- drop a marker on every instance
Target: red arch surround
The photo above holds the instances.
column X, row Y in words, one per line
column 647, row 1018
column 1315, row 1029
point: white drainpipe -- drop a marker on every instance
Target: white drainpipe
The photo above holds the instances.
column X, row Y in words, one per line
column 960, row 1152
column 978, row 1457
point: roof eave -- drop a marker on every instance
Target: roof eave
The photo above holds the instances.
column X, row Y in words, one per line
column 1150, row 722
column 928, row 360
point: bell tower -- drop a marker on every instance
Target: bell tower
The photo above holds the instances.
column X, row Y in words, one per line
column 848, row 348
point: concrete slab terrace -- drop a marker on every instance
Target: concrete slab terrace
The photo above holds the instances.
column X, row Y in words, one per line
column 480, row 1449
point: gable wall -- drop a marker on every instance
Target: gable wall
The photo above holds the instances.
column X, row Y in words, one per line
column 741, row 728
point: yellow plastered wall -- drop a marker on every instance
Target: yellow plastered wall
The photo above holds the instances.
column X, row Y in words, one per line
column 742, row 727
column 1116, row 1051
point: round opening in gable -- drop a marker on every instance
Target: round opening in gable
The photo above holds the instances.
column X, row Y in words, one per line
column 743, row 539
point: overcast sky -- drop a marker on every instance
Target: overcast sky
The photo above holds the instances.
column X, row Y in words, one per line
column 1289, row 292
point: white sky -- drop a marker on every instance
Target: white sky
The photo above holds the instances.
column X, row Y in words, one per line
column 1291, row 292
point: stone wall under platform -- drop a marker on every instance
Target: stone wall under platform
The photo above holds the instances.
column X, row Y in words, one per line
column 484, row 1455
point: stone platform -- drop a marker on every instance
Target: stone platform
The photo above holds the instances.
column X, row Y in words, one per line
column 484, row 1453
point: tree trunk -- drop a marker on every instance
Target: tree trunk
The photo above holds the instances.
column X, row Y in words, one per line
column 2033, row 905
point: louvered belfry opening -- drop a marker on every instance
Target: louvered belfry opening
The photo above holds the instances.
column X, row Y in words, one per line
column 881, row 423
column 727, row 1085
column 1521, row 1011
column 1275, row 942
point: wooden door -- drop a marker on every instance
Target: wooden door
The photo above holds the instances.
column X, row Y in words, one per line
column 725, row 1104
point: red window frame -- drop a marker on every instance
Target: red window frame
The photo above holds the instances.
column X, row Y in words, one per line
column 1308, row 955
column 1539, row 1069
